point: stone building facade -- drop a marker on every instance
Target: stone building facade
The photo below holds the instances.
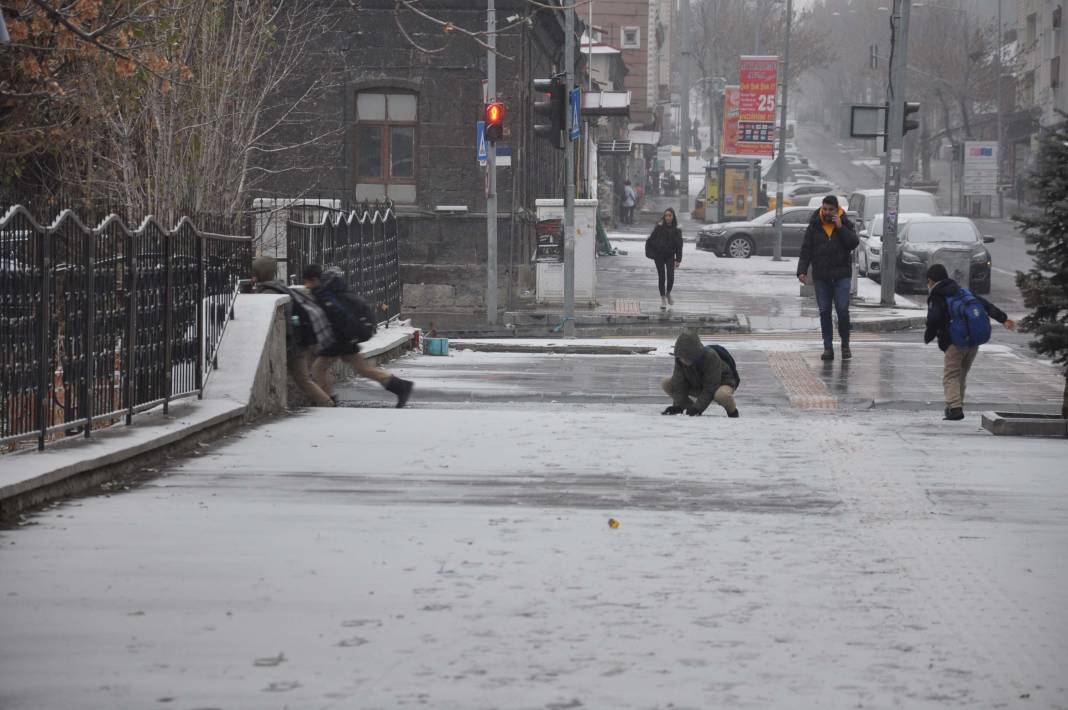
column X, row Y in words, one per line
column 398, row 123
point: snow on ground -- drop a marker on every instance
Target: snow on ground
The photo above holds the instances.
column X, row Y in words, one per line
column 380, row 558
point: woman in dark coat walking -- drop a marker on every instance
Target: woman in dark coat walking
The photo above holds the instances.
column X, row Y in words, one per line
column 664, row 247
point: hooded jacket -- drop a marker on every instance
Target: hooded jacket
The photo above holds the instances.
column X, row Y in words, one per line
column 938, row 312
column 665, row 243
column 830, row 256
column 704, row 376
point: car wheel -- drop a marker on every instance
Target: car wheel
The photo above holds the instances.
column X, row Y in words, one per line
column 740, row 248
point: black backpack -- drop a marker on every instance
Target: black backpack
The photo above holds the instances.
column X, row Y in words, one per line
column 727, row 359
column 351, row 316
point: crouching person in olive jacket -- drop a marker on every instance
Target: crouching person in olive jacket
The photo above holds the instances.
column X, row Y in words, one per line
column 700, row 377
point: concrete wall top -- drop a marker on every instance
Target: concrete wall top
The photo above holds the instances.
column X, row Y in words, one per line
column 553, row 202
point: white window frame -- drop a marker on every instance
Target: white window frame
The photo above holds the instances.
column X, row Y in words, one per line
column 636, row 44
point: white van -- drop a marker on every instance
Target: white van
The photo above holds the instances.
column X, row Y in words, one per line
column 868, row 203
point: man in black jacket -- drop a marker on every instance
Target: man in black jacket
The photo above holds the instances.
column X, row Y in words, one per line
column 958, row 360
column 828, row 246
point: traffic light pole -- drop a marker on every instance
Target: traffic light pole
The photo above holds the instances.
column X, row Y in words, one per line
column 895, row 120
column 491, row 170
column 569, row 168
column 684, row 108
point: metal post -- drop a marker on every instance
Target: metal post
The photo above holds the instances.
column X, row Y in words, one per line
column 1000, row 47
column 569, row 185
column 684, row 132
column 201, row 251
column 491, row 170
column 895, row 97
column 90, row 331
column 131, row 325
column 168, row 320
column 45, row 370
column 784, row 82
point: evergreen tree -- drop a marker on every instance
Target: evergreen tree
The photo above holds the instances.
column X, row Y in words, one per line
column 1045, row 286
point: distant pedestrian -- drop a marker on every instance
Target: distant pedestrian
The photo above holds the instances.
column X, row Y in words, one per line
column 827, row 246
column 341, row 308
column 307, row 328
column 960, row 321
column 629, row 199
column 664, row 247
column 762, row 197
column 703, row 374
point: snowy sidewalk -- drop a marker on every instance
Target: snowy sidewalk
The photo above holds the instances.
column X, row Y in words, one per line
column 376, row 558
column 739, row 295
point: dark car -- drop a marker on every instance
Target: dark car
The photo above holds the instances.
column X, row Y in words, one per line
column 742, row 240
column 954, row 242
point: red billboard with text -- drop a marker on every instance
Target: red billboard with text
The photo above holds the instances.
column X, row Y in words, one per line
column 758, row 80
column 729, row 144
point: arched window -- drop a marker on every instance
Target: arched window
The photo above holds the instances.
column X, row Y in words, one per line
column 384, row 145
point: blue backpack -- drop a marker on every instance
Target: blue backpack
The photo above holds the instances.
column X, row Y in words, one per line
column 969, row 323
column 727, row 359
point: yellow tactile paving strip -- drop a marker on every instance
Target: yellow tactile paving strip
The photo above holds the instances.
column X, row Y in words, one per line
column 628, row 306
column 805, row 390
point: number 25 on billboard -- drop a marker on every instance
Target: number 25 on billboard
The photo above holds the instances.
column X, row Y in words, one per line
column 766, row 103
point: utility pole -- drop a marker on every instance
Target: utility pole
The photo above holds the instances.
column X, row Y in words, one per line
column 781, row 162
column 1000, row 47
column 895, row 97
column 684, row 121
column 569, row 184
column 491, row 170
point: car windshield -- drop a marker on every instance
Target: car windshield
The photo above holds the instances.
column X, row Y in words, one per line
column 928, row 232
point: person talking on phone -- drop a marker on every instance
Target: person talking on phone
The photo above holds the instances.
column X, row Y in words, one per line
column 828, row 246
column 664, row 247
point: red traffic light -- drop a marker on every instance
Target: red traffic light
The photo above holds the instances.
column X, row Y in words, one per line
column 494, row 120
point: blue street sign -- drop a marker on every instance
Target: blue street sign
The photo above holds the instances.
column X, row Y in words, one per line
column 575, row 102
column 480, row 140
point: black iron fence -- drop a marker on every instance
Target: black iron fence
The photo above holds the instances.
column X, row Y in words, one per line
column 99, row 323
column 363, row 243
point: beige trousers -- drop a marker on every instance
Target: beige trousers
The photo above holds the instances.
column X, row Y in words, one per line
column 362, row 366
column 723, row 396
column 298, row 365
column 955, row 372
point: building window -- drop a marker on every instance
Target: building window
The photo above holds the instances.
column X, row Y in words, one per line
column 630, row 38
column 385, row 142
column 1055, row 72
column 1032, row 29
column 1056, row 20
column 1027, row 92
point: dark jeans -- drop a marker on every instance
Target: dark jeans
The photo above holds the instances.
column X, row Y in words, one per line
column 836, row 290
column 665, row 270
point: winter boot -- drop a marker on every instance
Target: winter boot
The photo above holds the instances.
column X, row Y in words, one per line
column 955, row 414
column 734, row 414
column 401, row 388
column 828, row 354
column 847, row 354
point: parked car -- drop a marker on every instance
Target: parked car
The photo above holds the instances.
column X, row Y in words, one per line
column 807, row 189
column 741, row 240
column 954, row 242
column 871, row 244
column 843, row 201
column 869, row 203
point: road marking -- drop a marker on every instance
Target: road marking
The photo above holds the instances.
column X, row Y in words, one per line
column 628, row 306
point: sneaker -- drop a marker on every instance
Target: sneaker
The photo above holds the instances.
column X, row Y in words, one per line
column 671, row 301
column 846, row 352
column 954, row 414
column 734, row 414
column 663, row 302
column 828, row 354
